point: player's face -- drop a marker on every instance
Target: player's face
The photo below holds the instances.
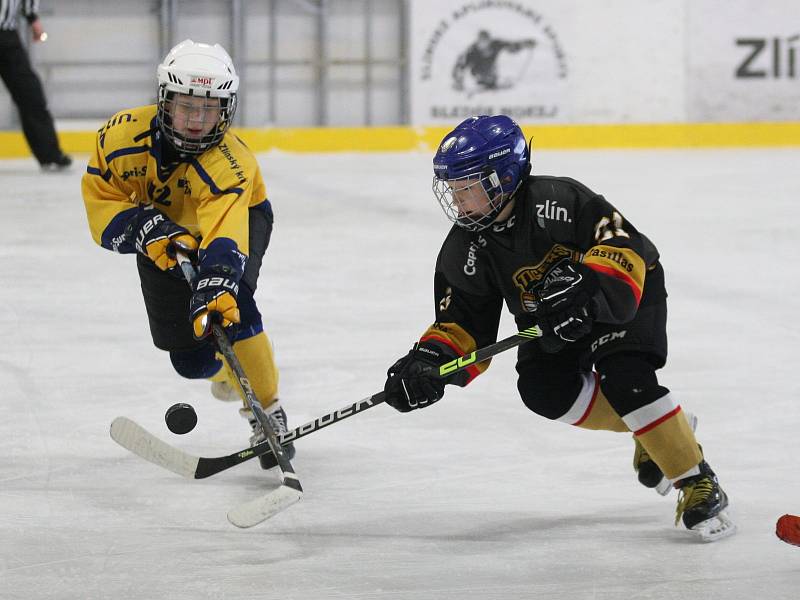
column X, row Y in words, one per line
column 469, row 196
column 193, row 116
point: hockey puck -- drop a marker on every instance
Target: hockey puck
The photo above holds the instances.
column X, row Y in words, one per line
column 180, row 418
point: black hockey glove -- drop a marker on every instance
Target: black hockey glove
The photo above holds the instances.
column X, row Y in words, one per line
column 213, row 300
column 413, row 381
column 565, row 311
column 160, row 239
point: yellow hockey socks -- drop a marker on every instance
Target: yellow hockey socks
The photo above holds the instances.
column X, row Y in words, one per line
column 258, row 363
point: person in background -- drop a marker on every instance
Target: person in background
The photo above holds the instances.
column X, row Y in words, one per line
column 24, row 85
column 171, row 177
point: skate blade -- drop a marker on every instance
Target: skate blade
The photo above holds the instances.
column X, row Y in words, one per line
column 715, row 528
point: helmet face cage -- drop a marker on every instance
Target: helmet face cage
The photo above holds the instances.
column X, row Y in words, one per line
column 197, row 85
column 193, row 113
column 471, row 201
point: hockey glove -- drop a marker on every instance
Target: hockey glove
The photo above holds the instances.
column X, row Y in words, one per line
column 413, row 381
column 159, row 238
column 564, row 310
column 213, row 300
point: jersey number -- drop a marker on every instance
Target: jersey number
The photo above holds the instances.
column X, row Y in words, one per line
column 609, row 228
column 159, row 195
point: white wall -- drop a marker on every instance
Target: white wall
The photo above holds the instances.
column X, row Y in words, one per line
column 615, row 61
column 743, row 60
column 627, row 60
column 610, row 61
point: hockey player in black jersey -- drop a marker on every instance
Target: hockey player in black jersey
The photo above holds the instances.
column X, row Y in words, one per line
column 564, row 258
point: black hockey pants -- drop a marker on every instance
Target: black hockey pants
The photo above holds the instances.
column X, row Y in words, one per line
column 28, row 95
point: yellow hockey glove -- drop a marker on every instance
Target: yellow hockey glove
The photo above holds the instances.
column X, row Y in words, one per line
column 213, row 301
column 159, row 238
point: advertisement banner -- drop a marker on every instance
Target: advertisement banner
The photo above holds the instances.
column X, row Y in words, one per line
column 486, row 57
column 743, row 60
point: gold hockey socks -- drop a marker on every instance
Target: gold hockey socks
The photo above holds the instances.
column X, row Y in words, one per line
column 664, row 432
column 601, row 416
column 660, row 427
column 591, row 409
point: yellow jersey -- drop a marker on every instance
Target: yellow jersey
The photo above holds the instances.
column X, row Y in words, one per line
column 209, row 194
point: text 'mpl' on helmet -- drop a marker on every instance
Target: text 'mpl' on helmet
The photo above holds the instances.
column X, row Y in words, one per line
column 197, row 86
column 478, row 167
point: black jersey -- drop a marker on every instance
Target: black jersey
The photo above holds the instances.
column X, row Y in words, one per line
column 554, row 218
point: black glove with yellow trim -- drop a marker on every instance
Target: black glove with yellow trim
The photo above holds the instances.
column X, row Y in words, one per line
column 159, row 239
column 564, row 311
column 413, row 381
column 213, row 300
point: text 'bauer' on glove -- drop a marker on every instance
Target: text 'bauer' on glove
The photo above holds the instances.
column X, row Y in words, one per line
column 213, row 300
column 565, row 310
column 413, row 381
column 159, row 239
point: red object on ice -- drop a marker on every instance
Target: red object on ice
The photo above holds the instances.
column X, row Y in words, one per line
column 788, row 529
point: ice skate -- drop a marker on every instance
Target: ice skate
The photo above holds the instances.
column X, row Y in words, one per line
column 702, row 504
column 648, row 471
column 277, row 417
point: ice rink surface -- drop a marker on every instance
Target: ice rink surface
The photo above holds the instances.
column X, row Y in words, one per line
column 473, row 498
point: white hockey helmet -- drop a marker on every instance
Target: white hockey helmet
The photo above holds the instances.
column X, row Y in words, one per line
column 199, row 70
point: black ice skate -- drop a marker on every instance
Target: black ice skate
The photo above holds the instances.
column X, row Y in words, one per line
column 648, row 471
column 61, row 163
column 702, row 504
column 277, row 417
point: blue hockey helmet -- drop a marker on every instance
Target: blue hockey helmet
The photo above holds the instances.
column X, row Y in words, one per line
column 478, row 167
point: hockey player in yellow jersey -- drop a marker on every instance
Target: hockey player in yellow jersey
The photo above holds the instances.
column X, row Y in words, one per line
column 172, row 177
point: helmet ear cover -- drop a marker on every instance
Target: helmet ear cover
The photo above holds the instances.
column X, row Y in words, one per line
column 508, row 176
column 491, row 183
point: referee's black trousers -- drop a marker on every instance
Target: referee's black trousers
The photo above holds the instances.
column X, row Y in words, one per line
column 26, row 91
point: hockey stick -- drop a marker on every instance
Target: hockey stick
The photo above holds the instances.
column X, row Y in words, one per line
column 138, row 440
column 290, row 491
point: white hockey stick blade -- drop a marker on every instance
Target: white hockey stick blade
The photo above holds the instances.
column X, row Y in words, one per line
column 141, row 442
column 260, row 509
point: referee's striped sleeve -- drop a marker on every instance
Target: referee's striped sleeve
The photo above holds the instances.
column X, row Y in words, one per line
column 10, row 10
column 30, row 8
